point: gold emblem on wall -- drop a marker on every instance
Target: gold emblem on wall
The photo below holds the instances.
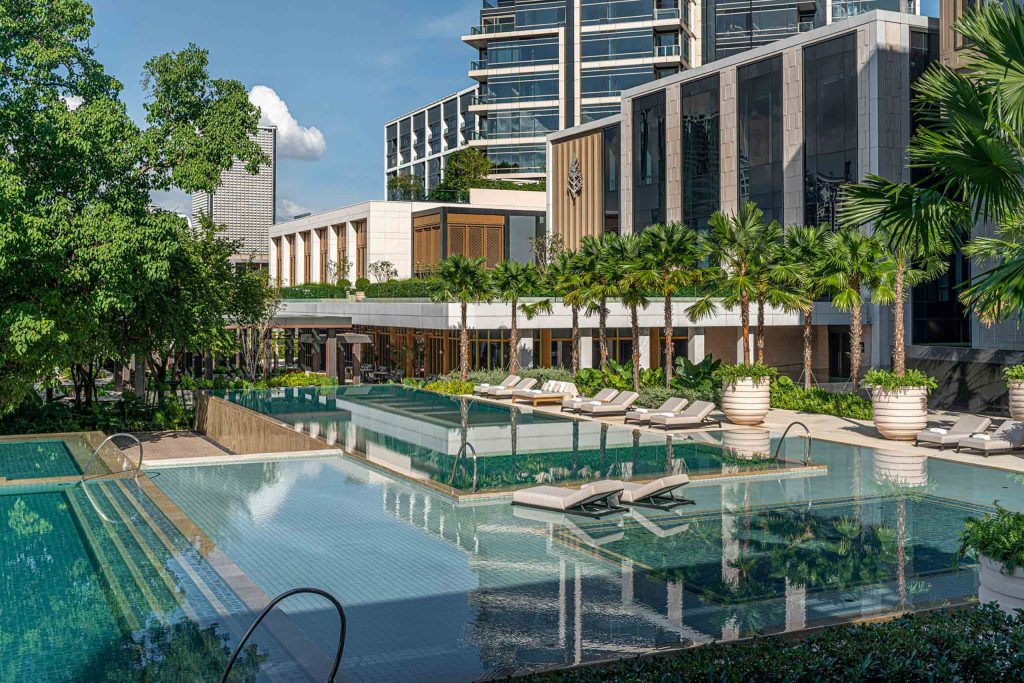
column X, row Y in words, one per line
column 575, row 186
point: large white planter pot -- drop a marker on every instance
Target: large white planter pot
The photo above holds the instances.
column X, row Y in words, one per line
column 900, row 414
column 1017, row 400
column 1000, row 587
column 746, row 403
column 748, row 444
column 901, row 469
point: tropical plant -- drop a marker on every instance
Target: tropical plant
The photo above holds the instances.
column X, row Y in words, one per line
column 696, row 377
column 786, row 395
column 806, row 277
column 466, row 281
column 616, row 376
column 734, row 247
column 777, row 277
column 668, row 260
column 511, row 281
column 998, row 536
column 758, row 373
column 383, row 271
column 892, row 381
column 1014, row 374
column 566, row 279
column 600, row 282
column 620, row 263
column 855, row 262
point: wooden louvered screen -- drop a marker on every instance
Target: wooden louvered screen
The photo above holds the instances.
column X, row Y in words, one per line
column 426, row 244
column 321, row 236
column 342, row 235
column 307, row 256
column 277, row 248
column 477, row 236
column 360, row 229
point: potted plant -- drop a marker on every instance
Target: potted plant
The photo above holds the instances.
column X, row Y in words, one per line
column 362, row 284
column 746, row 392
column 997, row 541
column 346, row 287
column 1014, row 377
column 899, row 402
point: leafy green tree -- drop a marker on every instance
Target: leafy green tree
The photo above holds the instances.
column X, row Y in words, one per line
column 465, row 169
column 80, row 251
column 254, row 304
column 855, row 262
column 512, row 281
column 467, row 281
column 669, row 260
column 405, row 187
column 567, row 280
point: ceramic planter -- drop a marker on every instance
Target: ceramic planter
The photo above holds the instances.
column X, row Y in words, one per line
column 746, row 403
column 998, row 586
column 1016, row 388
column 901, row 413
column 901, row 469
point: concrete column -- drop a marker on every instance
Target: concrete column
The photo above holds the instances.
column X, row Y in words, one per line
column 300, row 276
column 673, row 154
column 793, row 135
column 332, row 354
column 272, row 266
column 586, row 351
column 728, row 144
column 645, row 350
column 525, row 351
column 695, row 344
column 287, row 276
column 314, row 258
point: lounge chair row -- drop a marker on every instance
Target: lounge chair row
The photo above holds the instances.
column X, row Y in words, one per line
column 674, row 413
column 970, row 433
column 605, row 497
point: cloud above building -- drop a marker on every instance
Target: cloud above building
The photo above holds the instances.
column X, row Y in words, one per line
column 286, row 209
column 293, row 140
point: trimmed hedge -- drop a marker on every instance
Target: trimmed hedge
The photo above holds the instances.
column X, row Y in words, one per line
column 975, row 644
column 786, row 395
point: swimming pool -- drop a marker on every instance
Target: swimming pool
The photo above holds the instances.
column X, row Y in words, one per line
column 45, row 456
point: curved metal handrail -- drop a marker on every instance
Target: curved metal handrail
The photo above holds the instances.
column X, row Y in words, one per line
column 273, row 603
column 458, row 458
column 92, row 459
column 807, row 450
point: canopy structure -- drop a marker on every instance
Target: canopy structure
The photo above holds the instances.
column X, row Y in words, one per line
column 285, row 320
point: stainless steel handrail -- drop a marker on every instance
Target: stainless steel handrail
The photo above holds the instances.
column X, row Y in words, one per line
column 273, row 603
column 92, row 459
column 807, row 448
column 458, row 457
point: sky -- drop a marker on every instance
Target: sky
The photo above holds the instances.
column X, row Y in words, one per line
column 329, row 73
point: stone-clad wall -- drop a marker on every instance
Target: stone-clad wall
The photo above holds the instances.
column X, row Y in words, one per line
column 244, row 432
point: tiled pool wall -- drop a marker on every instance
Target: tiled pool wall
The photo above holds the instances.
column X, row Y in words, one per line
column 48, row 456
column 247, row 432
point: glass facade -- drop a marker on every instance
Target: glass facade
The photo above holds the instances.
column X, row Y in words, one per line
column 405, row 141
column 521, row 88
column 627, row 44
column 609, row 11
column 522, row 231
column 451, row 124
column 530, row 52
column 434, row 124
column 530, row 158
column 610, row 81
column 433, row 173
column 938, row 317
column 611, row 168
column 701, row 130
column 732, row 26
column 830, row 125
column 392, row 144
column 419, row 132
column 759, row 132
column 593, row 112
column 522, row 122
column 648, row 160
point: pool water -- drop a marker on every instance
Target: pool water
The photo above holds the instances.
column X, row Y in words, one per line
column 36, row 459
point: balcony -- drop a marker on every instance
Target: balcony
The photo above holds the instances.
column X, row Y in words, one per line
column 478, row 65
column 805, row 26
column 666, row 13
column 487, row 29
column 667, row 51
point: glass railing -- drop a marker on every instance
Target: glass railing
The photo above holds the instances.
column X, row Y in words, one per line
column 478, row 65
column 805, row 26
column 666, row 51
column 666, row 13
column 479, row 99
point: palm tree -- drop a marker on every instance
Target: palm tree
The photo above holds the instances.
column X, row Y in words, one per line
column 620, row 265
column 855, row 261
column 805, row 252
column 565, row 278
column 775, row 278
column 734, row 246
column 668, row 261
column 600, row 283
column 467, row 281
column 511, row 281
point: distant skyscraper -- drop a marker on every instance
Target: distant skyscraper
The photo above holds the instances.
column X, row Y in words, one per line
column 244, row 203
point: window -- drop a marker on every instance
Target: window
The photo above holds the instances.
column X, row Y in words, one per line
column 420, row 135
column 433, row 173
column 937, row 315
column 612, row 149
column 530, row 158
column 759, row 114
column 629, row 44
column 307, row 257
column 609, row 82
column 522, row 230
column 405, row 140
column 451, row 124
column 522, row 123
column 533, row 51
column 321, row 236
column 360, row 230
column 504, row 89
column 700, row 146
column 341, row 234
column 648, row 160
column 540, row 14
column 830, row 125
column 607, row 11
column 434, row 124
column 596, row 112
column 392, row 144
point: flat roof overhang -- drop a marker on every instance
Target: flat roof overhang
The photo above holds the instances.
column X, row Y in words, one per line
column 320, row 322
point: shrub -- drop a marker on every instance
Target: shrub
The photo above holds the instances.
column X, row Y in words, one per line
column 652, row 397
column 131, row 414
column 362, row 284
column 697, row 381
column 297, row 379
column 977, row 644
column 314, row 291
column 344, row 283
column 1014, row 374
column 786, row 395
column 999, row 537
column 757, row 372
column 890, row 381
column 617, row 376
column 452, row 387
column 415, row 288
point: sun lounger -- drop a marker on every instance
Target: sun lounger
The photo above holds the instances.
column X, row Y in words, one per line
column 694, row 416
column 965, row 426
column 1008, row 437
column 658, row 494
column 510, row 381
column 603, row 396
column 617, row 406
column 597, row 499
column 555, row 392
column 508, row 392
column 643, row 415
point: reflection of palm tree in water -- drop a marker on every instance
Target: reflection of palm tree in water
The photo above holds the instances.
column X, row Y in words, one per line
column 901, row 551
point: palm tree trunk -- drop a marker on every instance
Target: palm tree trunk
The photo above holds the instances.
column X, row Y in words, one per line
column 668, row 341
column 760, row 330
column 464, row 344
column 855, row 335
column 513, row 340
column 899, row 349
column 808, row 349
column 575, row 339
column 745, row 326
column 634, row 322
column 602, row 332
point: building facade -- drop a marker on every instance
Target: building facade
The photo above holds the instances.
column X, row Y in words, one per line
column 419, row 143
column 244, row 203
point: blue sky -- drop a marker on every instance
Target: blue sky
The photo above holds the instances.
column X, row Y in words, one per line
column 343, row 67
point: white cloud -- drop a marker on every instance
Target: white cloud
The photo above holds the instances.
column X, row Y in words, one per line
column 172, row 200
column 293, row 141
column 73, row 101
column 286, row 209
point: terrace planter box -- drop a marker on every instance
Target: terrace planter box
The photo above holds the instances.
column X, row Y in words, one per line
column 1016, row 389
column 746, row 403
column 997, row 586
column 900, row 413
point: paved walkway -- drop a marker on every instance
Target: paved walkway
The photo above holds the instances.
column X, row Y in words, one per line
column 159, row 446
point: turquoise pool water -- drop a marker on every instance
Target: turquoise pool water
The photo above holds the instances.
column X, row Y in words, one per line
column 427, row 437
column 36, row 459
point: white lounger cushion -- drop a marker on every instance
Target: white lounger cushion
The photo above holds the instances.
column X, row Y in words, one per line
column 633, row 492
column 557, row 498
